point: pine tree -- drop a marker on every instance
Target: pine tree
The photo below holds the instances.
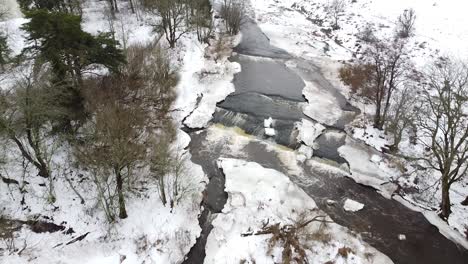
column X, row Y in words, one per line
column 4, row 51
column 58, row 38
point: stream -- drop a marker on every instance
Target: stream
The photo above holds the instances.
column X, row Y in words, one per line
column 267, row 88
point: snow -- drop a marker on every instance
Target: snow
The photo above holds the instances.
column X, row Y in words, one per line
column 268, row 122
column 371, row 136
column 168, row 234
column 270, row 132
column 352, row 206
column 215, row 87
column 290, row 25
column 364, row 168
column 257, row 195
column 322, row 106
column 309, row 131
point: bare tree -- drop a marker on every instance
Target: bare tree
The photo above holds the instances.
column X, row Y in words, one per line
column 444, row 125
column 112, row 144
column 405, row 23
column 26, row 114
column 335, row 9
column 168, row 167
column 402, row 114
column 201, row 18
column 232, row 11
column 173, row 18
column 114, row 7
column 24, row 117
column 378, row 74
column 4, row 10
column 128, row 110
column 389, row 68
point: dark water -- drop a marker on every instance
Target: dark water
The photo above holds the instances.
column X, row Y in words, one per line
column 381, row 220
column 256, row 43
column 268, row 77
column 328, row 144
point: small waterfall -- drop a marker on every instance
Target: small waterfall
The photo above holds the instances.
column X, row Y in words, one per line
column 286, row 132
column 11, row 7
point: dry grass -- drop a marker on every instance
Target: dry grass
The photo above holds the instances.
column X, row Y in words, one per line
column 345, row 251
column 356, row 76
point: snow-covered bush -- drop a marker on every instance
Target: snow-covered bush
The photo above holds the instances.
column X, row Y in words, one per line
column 405, row 25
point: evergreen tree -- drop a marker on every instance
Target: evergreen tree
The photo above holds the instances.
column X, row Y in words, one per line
column 4, row 51
column 58, row 38
column 68, row 6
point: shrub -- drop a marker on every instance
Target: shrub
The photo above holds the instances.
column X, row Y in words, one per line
column 356, row 77
column 232, row 11
column 405, row 23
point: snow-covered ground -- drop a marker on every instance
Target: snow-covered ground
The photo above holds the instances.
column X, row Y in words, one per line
column 152, row 233
column 260, row 196
column 439, row 26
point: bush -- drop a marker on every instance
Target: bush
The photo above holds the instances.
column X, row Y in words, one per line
column 405, row 24
column 356, row 77
column 232, row 11
column 367, row 35
column 129, row 110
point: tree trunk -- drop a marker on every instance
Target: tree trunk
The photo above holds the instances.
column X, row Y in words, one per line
column 377, row 120
column 132, row 6
column 377, row 115
column 397, row 135
column 445, row 205
column 122, row 210
column 162, row 190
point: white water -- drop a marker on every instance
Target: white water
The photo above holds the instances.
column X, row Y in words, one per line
column 11, row 7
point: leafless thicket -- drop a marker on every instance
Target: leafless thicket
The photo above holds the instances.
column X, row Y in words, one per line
column 233, row 12
column 26, row 115
column 168, row 168
column 128, row 111
column 403, row 114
